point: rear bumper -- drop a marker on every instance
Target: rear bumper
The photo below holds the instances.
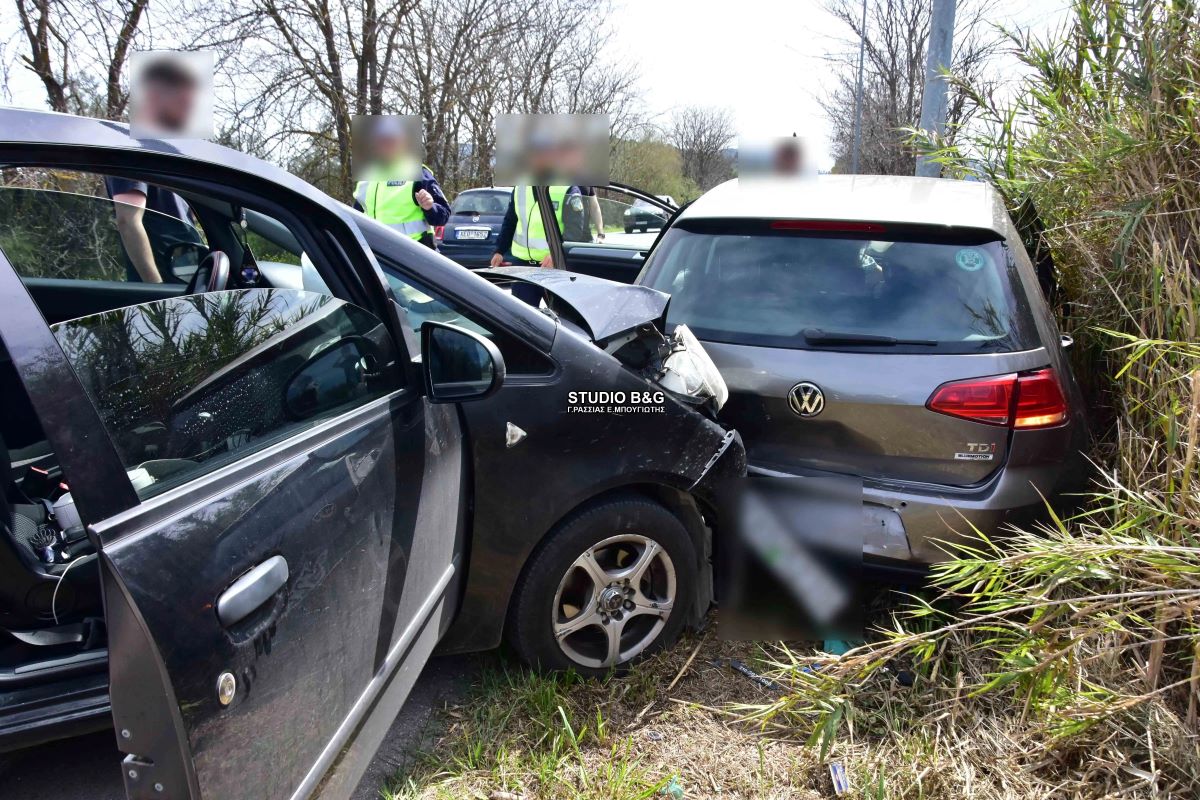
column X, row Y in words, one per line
column 472, row 256
column 914, row 523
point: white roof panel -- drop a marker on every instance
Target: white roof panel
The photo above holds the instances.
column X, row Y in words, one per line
column 866, row 198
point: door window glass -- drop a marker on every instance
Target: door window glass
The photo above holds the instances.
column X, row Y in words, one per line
column 422, row 304
column 623, row 219
column 188, row 384
column 47, row 233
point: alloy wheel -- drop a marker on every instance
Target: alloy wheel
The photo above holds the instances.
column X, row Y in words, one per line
column 613, row 601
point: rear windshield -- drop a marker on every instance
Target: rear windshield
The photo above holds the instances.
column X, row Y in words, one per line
column 797, row 289
column 474, row 203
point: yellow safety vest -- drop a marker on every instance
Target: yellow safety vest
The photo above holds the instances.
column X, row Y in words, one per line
column 391, row 202
column 529, row 240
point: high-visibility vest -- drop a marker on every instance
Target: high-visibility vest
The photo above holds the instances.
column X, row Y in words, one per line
column 529, row 240
column 391, row 202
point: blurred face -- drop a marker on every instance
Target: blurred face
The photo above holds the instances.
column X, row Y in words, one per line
column 787, row 159
column 387, row 148
column 542, row 163
column 169, row 105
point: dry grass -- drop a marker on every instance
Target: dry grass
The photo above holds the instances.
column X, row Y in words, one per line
column 556, row 736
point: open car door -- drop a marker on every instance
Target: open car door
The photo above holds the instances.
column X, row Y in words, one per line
column 631, row 222
column 271, row 510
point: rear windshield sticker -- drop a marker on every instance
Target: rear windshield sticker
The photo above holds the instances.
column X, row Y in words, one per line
column 969, row 259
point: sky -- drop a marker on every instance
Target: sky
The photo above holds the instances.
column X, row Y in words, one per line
column 768, row 61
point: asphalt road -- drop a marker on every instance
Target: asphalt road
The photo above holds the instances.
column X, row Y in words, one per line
column 88, row 767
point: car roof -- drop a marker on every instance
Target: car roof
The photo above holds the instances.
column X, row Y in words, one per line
column 29, row 127
column 895, row 199
column 487, row 189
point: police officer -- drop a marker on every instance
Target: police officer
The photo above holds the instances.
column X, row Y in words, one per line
column 522, row 240
column 523, row 236
column 412, row 207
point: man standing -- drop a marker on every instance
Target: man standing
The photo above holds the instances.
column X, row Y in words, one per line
column 522, row 238
column 400, row 192
column 166, row 102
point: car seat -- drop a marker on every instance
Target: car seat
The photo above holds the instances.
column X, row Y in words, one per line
column 27, row 584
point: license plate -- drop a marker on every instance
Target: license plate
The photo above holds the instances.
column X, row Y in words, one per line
column 468, row 233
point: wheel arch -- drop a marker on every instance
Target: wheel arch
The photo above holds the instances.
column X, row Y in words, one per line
column 693, row 511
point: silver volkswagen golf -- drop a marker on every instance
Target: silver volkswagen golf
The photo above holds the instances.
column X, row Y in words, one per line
column 889, row 329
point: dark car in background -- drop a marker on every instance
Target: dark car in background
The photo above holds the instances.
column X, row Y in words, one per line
column 469, row 236
column 241, row 507
column 642, row 216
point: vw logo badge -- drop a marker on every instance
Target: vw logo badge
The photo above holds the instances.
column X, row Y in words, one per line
column 806, row 399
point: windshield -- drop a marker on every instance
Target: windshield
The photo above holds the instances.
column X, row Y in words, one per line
column 477, row 203
column 778, row 288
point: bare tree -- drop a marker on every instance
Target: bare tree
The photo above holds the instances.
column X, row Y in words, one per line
column 78, row 49
column 465, row 61
column 702, row 136
column 896, row 36
column 446, row 72
column 307, row 68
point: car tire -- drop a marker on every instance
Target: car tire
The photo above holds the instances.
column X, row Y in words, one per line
column 629, row 229
column 561, row 617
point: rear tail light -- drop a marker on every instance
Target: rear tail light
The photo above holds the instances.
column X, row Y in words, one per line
column 1040, row 401
column 439, row 231
column 987, row 400
column 1025, row 400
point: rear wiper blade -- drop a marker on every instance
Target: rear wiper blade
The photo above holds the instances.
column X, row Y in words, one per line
column 819, row 337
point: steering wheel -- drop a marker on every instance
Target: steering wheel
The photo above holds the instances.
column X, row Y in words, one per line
column 212, row 275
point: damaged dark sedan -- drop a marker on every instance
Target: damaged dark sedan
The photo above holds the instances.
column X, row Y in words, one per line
column 242, row 506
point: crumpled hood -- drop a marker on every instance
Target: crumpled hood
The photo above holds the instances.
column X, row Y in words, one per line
column 607, row 308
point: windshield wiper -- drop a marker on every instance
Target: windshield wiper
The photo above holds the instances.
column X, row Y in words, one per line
column 816, row 336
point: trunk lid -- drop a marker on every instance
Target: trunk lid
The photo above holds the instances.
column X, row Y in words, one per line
column 872, row 419
column 833, row 336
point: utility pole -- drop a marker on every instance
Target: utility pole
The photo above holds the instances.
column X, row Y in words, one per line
column 858, row 95
column 938, row 60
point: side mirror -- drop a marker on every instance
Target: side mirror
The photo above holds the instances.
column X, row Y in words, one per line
column 184, row 258
column 458, row 364
column 1065, row 341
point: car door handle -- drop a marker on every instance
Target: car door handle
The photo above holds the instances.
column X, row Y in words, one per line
column 251, row 590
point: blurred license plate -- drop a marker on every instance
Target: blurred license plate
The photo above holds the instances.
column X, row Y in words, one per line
column 470, row 234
